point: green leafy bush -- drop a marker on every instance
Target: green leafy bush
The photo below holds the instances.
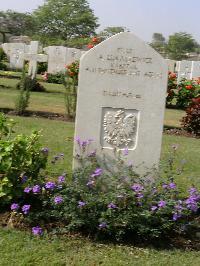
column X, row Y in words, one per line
column 54, row 78
column 21, row 160
column 191, row 122
column 30, row 84
column 187, row 90
column 115, row 204
column 3, row 66
column 171, row 89
column 42, row 67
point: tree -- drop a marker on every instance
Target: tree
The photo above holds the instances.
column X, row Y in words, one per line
column 159, row 43
column 17, row 23
column 110, row 31
column 66, row 19
column 180, row 44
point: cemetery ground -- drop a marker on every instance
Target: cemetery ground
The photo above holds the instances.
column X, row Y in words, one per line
column 20, row 248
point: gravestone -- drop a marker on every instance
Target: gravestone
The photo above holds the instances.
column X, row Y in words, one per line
column 195, row 69
column 60, row 56
column 184, row 70
column 33, row 57
column 56, row 58
column 121, row 99
column 171, row 65
column 15, row 52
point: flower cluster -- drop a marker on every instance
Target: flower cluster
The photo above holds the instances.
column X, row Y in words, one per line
column 73, row 70
column 94, row 41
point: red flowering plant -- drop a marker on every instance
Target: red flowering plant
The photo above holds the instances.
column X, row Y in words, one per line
column 71, row 83
column 187, row 90
column 191, row 122
column 94, row 41
column 172, row 85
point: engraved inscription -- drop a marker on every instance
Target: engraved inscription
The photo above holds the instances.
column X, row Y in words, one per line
column 120, row 128
column 121, row 94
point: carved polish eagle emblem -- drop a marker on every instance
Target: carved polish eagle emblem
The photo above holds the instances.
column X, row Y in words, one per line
column 119, row 128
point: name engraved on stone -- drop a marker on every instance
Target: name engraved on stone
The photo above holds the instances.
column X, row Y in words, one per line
column 119, row 128
column 121, row 94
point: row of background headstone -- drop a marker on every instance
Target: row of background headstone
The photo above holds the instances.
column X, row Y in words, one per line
column 59, row 56
column 56, row 56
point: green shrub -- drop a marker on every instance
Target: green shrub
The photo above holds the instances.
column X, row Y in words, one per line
column 42, row 67
column 187, row 90
column 21, row 159
column 191, row 122
column 22, row 100
column 117, row 204
column 30, row 84
column 172, row 85
column 54, row 78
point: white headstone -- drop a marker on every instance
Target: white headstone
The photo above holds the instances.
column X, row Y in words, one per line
column 15, row 52
column 33, row 57
column 171, row 65
column 121, row 99
column 60, row 56
column 56, row 58
column 195, row 71
column 184, row 70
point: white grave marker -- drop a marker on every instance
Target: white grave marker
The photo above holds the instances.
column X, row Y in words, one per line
column 60, row 56
column 33, row 57
column 195, row 71
column 121, row 99
column 15, row 52
column 184, row 70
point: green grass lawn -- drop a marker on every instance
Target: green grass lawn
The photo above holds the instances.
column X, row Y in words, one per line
column 189, row 148
column 22, row 249
column 53, row 101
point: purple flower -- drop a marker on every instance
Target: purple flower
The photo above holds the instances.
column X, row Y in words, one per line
column 26, row 209
column 125, row 151
column 139, row 196
column 161, row 204
column 103, row 225
column 81, row 204
column 191, row 202
column 36, row 189
column 58, row 200
column 97, row 172
column 154, row 208
column 192, row 190
column 24, row 179
column 83, row 143
column 112, row 206
column 164, row 186
column 172, row 185
column 45, row 150
column 50, row 185
column 61, row 154
column 137, row 187
column 37, row 231
column 27, row 189
column 61, row 179
column 92, row 154
column 176, row 216
column 90, row 183
column 14, row 207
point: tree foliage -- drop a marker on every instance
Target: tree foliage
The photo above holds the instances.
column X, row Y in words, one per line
column 180, row 44
column 17, row 23
column 110, row 31
column 66, row 19
column 159, row 43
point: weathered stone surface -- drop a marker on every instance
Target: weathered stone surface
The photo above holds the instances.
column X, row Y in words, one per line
column 121, row 99
column 33, row 57
column 60, row 56
column 15, row 52
column 184, row 70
